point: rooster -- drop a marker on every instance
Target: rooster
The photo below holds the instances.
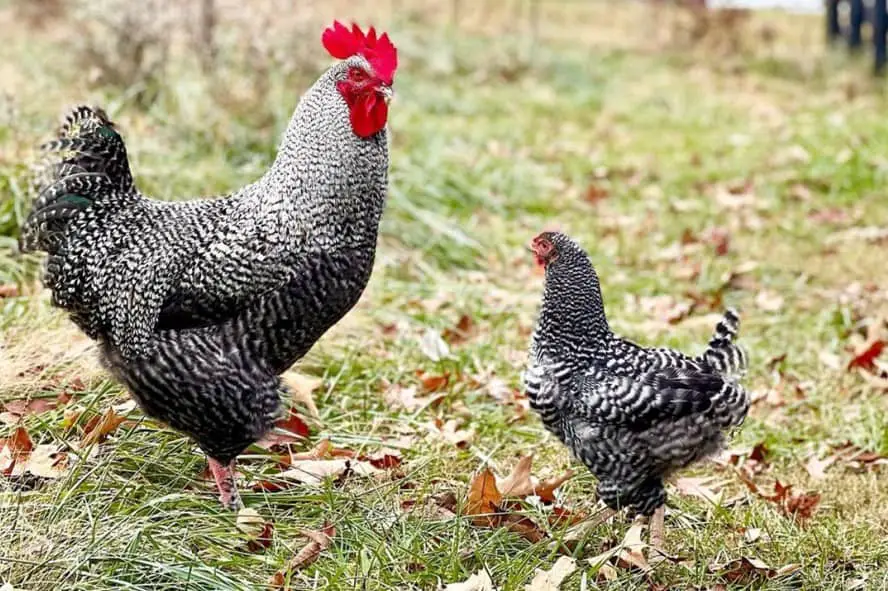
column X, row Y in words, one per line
column 199, row 306
column 632, row 415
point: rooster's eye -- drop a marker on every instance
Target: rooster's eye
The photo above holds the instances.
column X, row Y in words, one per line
column 358, row 75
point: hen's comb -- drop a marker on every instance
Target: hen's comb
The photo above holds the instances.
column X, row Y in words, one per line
column 342, row 43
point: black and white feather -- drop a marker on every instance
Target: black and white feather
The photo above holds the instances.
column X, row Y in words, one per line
column 199, row 305
column 632, row 415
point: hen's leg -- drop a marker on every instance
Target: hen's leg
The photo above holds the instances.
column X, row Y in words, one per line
column 224, row 476
column 658, row 527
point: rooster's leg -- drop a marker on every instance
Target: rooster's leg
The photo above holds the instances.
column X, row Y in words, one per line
column 224, row 476
column 658, row 527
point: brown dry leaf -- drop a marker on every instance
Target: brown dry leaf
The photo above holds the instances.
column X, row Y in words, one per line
column 720, row 240
column 480, row 581
column 99, row 427
column 857, row 459
column 318, row 541
column 748, row 570
column 9, row 290
column 449, row 431
column 562, row 517
column 484, row 499
column 14, row 452
column 485, row 504
column 595, row 193
column 432, row 383
column 302, row 388
column 545, row 490
column 551, row 580
column 25, row 407
column 462, row 332
column 290, row 429
column 743, row 570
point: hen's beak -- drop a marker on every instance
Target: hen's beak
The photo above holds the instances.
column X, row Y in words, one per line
column 386, row 93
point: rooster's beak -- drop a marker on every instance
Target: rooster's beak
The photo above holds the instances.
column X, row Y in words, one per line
column 387, row 93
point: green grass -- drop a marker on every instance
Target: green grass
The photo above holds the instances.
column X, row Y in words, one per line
column 488, row 148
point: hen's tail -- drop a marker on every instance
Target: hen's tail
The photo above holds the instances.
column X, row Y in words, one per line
column 722, row 353
column 85, row 165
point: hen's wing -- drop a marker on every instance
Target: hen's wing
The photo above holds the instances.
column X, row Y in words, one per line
column 603, row 396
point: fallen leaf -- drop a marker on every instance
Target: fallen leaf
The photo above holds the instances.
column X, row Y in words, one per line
column 449, row 431
column 14, row 452
column 257, row 530
column 301, row 389
column 829, row 215
column 99, row 427
column 518, row 482
column 702, row 488
column 743, row 570
column 35, row 406
column 864, row 358
column 406, row 397
column 769, row 301
column 316, row 471
column 752, row 535
column 9, row 290
column 484, row 498
column 631, row 551
column 562, row 517
column 485, row 505
column 480, row 581
column 47, row 461
column 462, row 332
column 545, row 490
column 433, row 346
column 720, row 240
column 433, row 383
column 665, row 308
column 816, row 467
column 551, row 580
column 318, row 541
column 289, row 429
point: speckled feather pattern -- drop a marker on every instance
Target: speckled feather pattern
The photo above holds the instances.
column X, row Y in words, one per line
column 199, row 305
column 632, row 415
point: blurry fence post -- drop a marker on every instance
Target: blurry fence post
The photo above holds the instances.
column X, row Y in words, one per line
column 879, row 30
column 833, row 31
column 855, row 24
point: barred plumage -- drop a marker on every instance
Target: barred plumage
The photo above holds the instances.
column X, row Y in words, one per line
column 200, row 305
column 632, row 415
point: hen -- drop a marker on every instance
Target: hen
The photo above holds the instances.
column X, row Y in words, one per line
column 199, row 306
column 632, row 415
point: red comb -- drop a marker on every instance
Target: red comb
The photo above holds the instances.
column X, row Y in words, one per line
column 342, row 43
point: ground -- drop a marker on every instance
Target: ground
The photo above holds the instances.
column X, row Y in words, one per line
column 740, row 169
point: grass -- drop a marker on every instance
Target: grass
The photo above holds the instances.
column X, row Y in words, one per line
column 495, row 136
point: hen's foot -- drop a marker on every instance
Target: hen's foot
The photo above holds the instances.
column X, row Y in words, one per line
column 224, row 476
column 658, row 527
